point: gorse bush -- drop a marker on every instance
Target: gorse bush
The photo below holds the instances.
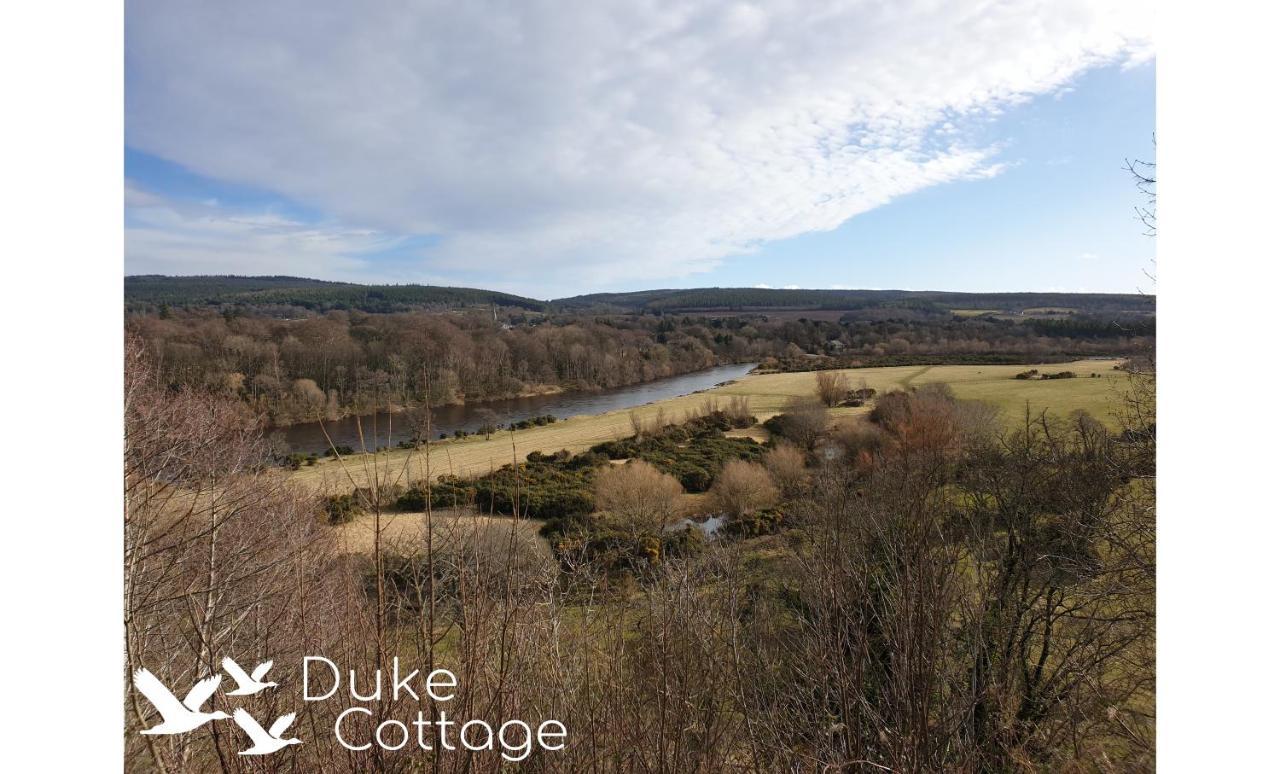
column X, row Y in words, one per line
column 538, row 421
column 539, row 490
column 296, row 460
column 342, row 509
column 693, row 452
column 446, row 492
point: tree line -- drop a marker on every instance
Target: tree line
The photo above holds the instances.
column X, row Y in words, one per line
column 339, row 362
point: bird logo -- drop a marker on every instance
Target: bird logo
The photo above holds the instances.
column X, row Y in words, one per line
column 183, row 716
column 179, row 716
column 246, row 684
column 265, row 741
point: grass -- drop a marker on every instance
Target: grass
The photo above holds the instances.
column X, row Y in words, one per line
column 768, row 394
column 405, row 531
column 974, row 312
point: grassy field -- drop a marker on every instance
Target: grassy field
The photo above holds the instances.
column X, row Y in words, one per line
column 768, row 394
column 406, row 531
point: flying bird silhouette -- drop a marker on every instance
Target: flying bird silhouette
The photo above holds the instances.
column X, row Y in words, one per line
column 247, row 685
column 179, row 716
column 268, row 741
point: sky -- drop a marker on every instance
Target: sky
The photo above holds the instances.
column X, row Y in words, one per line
column 629, row 145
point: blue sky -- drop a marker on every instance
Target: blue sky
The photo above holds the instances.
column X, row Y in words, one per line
column 1060, row 217
column 697, row 144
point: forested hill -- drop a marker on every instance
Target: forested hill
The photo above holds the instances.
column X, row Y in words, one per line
column 150, row 292
column 145, row 293
column 745, row 299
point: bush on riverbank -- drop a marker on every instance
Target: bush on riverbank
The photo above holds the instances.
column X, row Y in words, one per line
column 693, row 452
column 342, row 509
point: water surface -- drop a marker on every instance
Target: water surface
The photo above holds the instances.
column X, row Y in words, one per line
column 308, row 437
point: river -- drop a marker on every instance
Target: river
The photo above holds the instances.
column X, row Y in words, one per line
column 308, row 436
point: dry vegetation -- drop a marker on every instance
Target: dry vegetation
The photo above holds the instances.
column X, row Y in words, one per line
column 638, row 497
column 951, row 588
column 762, row 395
column 742, row 488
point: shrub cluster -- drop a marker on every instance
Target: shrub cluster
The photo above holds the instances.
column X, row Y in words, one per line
column 616, row 553
column 446, row 492
column 295, row 460
column 1035, row 374
column 538, row 421
column 693, row 452
column 802, row 421
column 342, row 509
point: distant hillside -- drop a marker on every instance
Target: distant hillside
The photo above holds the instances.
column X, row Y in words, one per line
column 149, row 292
column 145, row 292
column 765, row 299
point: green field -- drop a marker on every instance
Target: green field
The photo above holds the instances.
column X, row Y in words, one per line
column 767, row 393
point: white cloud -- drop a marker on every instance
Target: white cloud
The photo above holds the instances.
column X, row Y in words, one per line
column 612, row 143
column 166, row 236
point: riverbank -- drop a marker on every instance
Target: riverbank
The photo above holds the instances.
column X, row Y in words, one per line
column 391, row 428
column 767, row 395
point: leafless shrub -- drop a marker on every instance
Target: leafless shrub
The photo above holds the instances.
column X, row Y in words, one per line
column 830, row 387
column 653, row 425
column 221, row 558
column 858, row 437
column 786, row 465
column 743, row 488
column 802, row 420
column 739, row 410
column 638, row 497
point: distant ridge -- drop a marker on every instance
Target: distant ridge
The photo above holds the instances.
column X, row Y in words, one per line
column 765, row 299
column 145, row 291
column 148, row 292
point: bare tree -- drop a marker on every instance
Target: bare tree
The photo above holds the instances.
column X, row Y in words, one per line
column 831, row 387
column 488, row 419
column 1144, row 177
column 802, row 420
column 638, row 497
column 786, row 465
column 743, row 488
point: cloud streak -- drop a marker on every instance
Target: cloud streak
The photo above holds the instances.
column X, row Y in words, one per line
column 615, row 143
column 166, row 236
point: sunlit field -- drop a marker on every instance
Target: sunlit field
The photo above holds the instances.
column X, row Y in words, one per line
column 768, row 394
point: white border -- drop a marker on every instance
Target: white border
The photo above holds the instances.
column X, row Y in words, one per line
column 61, row 67
column 1218, row 304
column 63, row 138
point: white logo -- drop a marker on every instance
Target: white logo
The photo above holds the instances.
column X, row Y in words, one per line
column 180, row 717
column 247, row 685
column 265, row 741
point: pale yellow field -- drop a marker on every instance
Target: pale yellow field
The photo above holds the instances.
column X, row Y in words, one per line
column 406, row 532
column 768, row 394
